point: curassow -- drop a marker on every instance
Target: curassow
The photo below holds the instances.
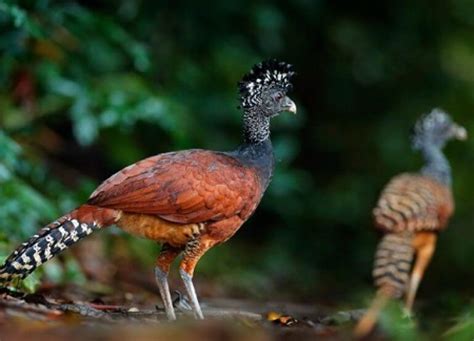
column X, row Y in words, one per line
column 188, row 200
column 411, row 210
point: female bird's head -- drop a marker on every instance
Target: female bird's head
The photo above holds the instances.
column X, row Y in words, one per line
column 435, row 129
column 264, row 89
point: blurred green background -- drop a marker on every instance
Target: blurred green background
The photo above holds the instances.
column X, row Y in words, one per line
column 90, row 87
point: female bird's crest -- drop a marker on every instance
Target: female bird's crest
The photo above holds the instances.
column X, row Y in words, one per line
column 270, row 74
column 433, row 128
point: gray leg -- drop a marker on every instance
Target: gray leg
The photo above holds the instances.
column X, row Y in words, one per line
column 162, row 281
column 188, row 283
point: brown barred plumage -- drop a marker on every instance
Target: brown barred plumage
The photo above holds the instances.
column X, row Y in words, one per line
column 413, row 202
column 411, row 209
column 392, row 263
column 409, row 204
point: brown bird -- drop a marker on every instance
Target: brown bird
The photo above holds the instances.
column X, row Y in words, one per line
column 411, row 210
column 189, row 200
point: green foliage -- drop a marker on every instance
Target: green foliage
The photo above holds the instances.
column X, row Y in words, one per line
column 23, row 206
column 463, row 329
column 397, row 324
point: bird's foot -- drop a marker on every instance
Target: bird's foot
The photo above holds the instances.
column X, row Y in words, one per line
column 407, row 314
column 181, row 302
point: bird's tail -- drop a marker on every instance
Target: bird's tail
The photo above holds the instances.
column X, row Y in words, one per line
column 54, row 238
column 391, row 274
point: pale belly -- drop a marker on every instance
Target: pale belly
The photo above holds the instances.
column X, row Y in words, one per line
column 159, row 230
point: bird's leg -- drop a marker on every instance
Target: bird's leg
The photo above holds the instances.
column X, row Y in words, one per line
column 194, row 250
column 163, row 263
column 424, row 245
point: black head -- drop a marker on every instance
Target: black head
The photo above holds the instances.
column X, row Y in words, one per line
column 435, row 129
column 265, row 87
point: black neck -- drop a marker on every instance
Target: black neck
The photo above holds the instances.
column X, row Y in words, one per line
column 436, row 166
column 256, row 126
column 259, row 156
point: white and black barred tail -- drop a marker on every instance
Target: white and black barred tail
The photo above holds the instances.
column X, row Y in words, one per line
column 54, row 238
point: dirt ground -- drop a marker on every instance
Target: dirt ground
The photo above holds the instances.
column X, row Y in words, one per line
column 74, row 313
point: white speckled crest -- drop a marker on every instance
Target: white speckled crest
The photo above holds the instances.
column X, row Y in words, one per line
column 265, row 75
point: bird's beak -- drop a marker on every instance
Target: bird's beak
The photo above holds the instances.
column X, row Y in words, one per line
column 289, row 105
column 459, row 132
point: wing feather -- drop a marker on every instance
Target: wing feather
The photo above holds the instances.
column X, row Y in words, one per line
column 184, row 187
column 412, row 202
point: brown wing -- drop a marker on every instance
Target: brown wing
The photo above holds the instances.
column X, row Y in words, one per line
column 412, row 202
column 183, row 187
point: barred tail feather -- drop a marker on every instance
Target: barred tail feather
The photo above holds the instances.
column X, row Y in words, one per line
column 54, row 238
column 391, row 274
column 392, row 265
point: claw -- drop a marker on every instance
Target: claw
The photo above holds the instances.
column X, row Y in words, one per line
column 181, row 302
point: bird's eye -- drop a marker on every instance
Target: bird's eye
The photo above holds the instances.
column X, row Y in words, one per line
column 278, row 96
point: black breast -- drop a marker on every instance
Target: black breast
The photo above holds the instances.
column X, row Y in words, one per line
column 258, row 156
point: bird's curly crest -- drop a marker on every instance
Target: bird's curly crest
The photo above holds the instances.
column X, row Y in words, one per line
column 434, row 119
column 265, row 75
column 430, row 125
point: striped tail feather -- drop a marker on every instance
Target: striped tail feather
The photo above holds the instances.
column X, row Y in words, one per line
column 392, row 265
column 391, row 273
column 54, row 238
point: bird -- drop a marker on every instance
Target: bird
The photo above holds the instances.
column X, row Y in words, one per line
column 188, row 201
column 412, row 209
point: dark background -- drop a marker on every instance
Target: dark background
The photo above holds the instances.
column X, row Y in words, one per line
column 90, row 87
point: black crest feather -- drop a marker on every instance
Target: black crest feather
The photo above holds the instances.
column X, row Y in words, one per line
column 267, row 74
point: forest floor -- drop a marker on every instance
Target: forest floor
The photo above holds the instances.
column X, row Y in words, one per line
column 73, row 313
